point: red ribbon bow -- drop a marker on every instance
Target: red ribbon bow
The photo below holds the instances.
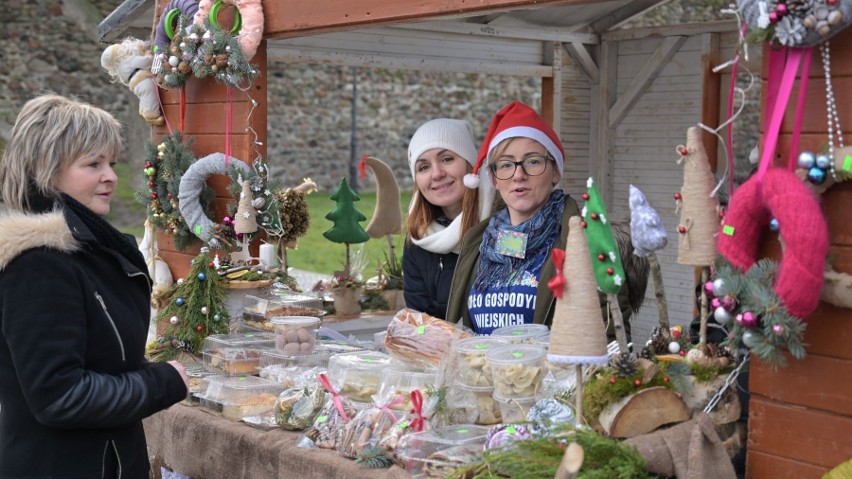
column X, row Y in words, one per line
column 363, row 167
column 417, row 409
column 557, row 282
column 323, row 379
column 387, row 407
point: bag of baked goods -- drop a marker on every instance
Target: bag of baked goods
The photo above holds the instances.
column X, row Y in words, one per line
column 421, row 339
column 417, row 420
column 332, row 418
column 439, row 452
column 369, row 425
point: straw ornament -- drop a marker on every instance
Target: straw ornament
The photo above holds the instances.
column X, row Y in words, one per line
column 699, row 221
column 577, row 335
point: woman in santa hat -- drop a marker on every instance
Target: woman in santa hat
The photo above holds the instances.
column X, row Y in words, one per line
column 441, row 152
column 505, row 263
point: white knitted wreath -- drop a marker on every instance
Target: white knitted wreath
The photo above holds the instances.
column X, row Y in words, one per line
column 191, row 185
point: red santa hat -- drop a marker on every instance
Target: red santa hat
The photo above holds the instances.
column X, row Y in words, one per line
column 516, row 120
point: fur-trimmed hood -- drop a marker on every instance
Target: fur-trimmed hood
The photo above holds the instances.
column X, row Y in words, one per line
column 20, row 232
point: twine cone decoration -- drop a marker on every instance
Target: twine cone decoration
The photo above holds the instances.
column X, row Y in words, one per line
column 699, row 220
column 246, row 220
column 577, row 335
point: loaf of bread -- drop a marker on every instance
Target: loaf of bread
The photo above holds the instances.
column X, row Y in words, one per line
column 418, row 338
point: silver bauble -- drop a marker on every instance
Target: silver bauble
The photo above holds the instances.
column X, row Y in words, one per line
column 722, row 316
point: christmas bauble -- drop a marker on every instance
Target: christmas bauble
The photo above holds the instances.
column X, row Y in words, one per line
column 806, row 160
column 816, row 175
column 719, row 287
column 729, row 302
column 722, row 316
column 217, row 317
column 774, row 226
column 173, row 61
column 199, row 328
column 708, row 288
column 180, row 281
column 749, row 320
column 823, row 161
column 715, row 303
column 179, row 301
column 674, row 347
column 202, row 276
column 777, row 329
column 750, row 339
column 204, row 310
column 174, row 320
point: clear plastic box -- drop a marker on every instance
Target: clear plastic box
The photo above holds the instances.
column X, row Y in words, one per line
column 258, row 310
column 478, row 404
column 358, row 375
column 235, row 354
column 517, row 369
column 238, row 396
column 521, row 333
column 258, row 340
column 439, row 452
column 474, row 369
column 323, row 351
column 514, row 410
column 295, row 334
column 404, row 382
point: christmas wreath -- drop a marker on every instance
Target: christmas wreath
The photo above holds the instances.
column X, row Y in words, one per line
column 166, row 27
column 219, row 55
column 795, row 23
column 248, row 21
column 165, row 164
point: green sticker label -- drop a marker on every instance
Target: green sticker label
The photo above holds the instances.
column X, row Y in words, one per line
column 249, row 336
column 242, row 378
column 461, row 431
column 367, row 360
column 421, row 329
column 198, row 229
column 847, row 163
column 728, row 230
column 511, row 430
column 517, row 333
column 517, row 355
column 403, row 425
column 481, row 346
column 321, row 419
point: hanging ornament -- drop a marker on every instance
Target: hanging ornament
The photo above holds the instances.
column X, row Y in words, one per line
column 674, row 347
column 204, row 310
column 217, row 317
column 747, row 320
column 715, row 303
column 199, row 328
column 708, row 288
column 777, row 329
column 774, row 226
column 719, row 287
column 179, row 301
column 174, row 320
column 750, row 339
column 180, row 281
column 201, row 276
column 722, row 316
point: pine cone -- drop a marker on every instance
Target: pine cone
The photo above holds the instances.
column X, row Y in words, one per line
column 659, row 344
column 800, row 8
column 624, row 365
column 647, row 352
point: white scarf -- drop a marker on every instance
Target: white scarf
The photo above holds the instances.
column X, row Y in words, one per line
column 442, row 239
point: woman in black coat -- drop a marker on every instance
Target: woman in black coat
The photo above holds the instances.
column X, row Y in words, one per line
column 74, row 305
column 441, row 152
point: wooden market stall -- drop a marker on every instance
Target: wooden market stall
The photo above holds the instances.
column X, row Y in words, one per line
column 621, row 101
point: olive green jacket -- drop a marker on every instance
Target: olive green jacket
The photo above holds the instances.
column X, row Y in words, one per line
column 468, row 266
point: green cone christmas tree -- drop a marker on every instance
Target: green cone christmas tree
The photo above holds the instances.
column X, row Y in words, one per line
column 346, row 228
column 606, row 261
column 195, row 310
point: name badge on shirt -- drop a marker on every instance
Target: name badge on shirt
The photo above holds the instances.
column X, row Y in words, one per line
column 512, row 243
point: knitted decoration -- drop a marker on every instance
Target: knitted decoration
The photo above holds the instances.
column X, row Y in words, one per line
column 191, row 185
column 387, row 217
column 168, row 21
column 248, row 21
column 246, row 218
column 699, row 220
column 606, row 259
column 646, row 228
column 803, row 232
column 578, row 334
column 129, row 62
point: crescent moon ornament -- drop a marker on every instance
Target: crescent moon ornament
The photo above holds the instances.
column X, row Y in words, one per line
column 387, row 217
column 191, row 185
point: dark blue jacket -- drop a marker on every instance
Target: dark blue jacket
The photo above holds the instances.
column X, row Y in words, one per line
column 427, row 278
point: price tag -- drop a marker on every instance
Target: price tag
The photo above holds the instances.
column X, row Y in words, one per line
column 517, row 355
column 728, row 230
column 421, row 329
column 321, row 419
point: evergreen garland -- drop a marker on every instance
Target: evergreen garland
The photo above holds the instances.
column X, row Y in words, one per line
column 165, row 164
column 198, row 304
column 219, row 55
column 604, row 458
column 775, row 328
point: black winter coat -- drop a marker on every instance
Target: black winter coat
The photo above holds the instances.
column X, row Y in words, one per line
column 74, row 384
column 427, row 278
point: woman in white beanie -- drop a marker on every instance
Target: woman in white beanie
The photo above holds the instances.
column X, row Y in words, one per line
column 441, row 152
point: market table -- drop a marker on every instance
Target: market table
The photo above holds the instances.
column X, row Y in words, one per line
column 205, row 446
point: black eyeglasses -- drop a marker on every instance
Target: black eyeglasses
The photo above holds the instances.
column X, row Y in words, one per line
column 533, row 165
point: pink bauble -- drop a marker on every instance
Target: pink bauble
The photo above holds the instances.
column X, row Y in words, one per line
column 749, row 320
column 777, row 329
column 716, row 303
column 708, row 288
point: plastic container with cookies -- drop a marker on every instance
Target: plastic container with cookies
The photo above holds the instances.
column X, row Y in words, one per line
column 238, row 396
column 476, row 404
column 357, row 376
column 235, row 354
column 439, row 452
column 520, row 333
column 473, row 367
column 517, row 369
column 514, row 410
column 295, row 334
column 258, row 310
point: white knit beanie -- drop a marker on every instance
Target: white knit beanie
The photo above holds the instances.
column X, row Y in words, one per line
column 444, row 133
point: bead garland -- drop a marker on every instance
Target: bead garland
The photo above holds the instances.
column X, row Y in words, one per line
column 831, row 107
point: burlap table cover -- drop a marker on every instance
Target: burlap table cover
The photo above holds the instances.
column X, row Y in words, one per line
column 205, row 446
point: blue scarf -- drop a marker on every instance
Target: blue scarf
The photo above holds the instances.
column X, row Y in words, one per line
column 541, row 230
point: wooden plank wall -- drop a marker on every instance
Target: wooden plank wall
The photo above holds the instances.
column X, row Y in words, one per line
column 574, row 127
column 800, row 419
column 207, row 104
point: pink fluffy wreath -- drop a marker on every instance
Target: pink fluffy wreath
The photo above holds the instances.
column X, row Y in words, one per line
column 251, row 32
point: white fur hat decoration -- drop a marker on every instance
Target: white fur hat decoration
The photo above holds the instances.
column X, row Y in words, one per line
column 444, row 133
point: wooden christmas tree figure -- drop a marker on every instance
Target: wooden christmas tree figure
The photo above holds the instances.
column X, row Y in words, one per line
column 195, row 310
column 648, row 234
column 606, row 260
column 578, row 334
column 346, row 228
column 245, row 222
